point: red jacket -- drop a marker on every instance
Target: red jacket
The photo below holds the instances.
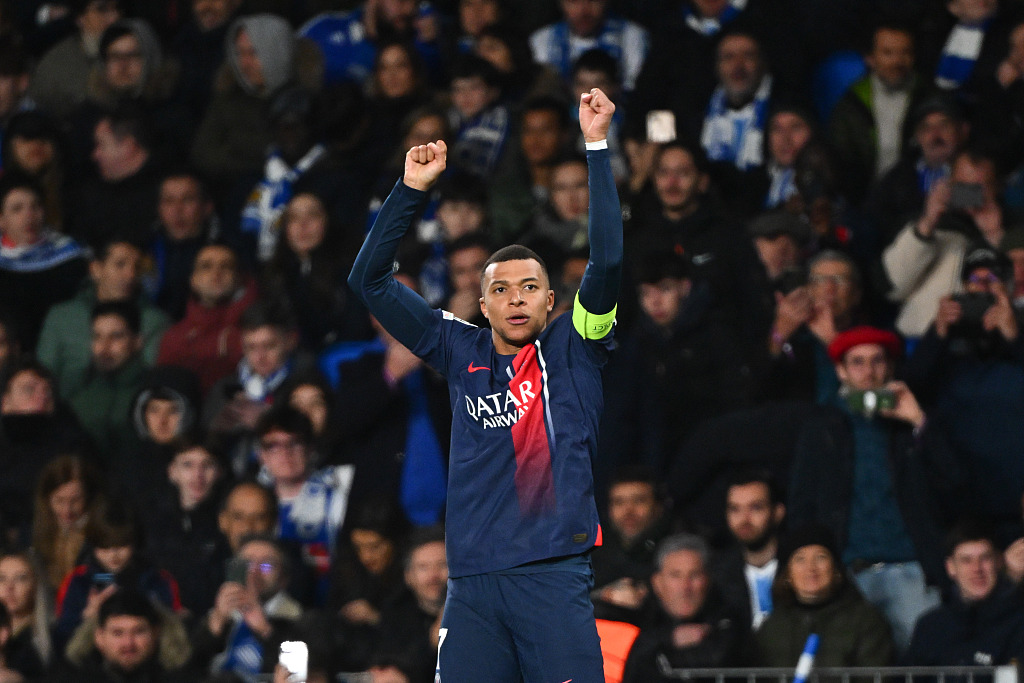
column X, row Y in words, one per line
column 207, row 341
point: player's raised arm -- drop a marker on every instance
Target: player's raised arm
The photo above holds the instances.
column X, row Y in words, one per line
column 595, row 305
column 402, row 312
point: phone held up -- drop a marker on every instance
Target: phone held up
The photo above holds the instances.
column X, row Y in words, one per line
column 294, row 657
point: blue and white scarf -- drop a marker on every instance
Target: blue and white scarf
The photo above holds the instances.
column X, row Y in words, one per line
column 562, row 52
column 711, row 26
column 737, row 135
column 260, row 388
column 927, row 176
column 783, row 186
column 266, row 204
column 959, row 55
column 50, row 251
column 480, row 142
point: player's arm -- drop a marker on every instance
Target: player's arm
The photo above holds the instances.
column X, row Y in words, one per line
column 402, row 312
column 594, row 309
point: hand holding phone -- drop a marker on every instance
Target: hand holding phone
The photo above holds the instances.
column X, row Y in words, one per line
column 294, row 657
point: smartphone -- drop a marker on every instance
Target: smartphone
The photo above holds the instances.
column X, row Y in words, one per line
column 294, row 657
column 867, row 403
column 102, row 579
column 237, row 570
column 967, row 196
column 661, row 126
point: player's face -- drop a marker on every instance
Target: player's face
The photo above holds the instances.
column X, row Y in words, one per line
column 517, row 299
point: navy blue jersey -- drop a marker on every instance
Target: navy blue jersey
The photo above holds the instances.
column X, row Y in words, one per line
column 524, row 426
column 524, row 429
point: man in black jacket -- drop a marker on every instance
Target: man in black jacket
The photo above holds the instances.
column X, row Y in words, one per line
column 983, row 621
column 874, row 471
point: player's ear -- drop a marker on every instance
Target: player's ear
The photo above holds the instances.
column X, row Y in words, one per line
column 483, row 307
column 551, row 299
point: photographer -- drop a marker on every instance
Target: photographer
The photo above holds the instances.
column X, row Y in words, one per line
column 969, row 370
column 872, row 469
column 923, row 262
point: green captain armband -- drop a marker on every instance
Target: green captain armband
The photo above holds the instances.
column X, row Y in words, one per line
column 591, row 325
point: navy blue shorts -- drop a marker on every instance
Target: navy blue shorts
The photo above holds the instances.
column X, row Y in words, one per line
column 535, row 626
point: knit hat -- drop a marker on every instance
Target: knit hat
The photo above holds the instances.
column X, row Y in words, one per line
column 863, row 334
column 804, row 535
column 984, row 257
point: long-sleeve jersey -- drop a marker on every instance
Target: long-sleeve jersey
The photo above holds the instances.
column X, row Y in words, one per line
column 524, row 426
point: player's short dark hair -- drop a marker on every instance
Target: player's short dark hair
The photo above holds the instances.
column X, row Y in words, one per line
column 285, row 418
column 968, row 530
column 513, row 252
column 126, row 309
column 128, row 602
column 756, row 475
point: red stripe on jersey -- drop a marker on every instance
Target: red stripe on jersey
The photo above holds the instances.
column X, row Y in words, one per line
column 535, row 486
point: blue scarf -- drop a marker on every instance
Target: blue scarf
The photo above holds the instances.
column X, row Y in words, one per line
column 266, row 203
column 928, row 176
column 608, row 40
column 783, row 186
column 49, row 252
column 737, row 135
column 260, row 388
column 244, row 653
column 959, row 55
column 481, row 140
column 711, row 27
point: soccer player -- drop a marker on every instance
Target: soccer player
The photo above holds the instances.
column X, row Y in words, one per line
column 526, row 399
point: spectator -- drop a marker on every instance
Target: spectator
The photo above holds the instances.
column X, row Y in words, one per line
column 131, row 641
column 940, row 131
column 32, row 147
column 207, row 340
column 67, row 495
column 164, row 410
column 23, row 594
column 186, row 223
column 870, row 125
column 474, row 17
column 524, row 179
column 311, row 394
column 10, row 347
column 409, row 627
column 923, row 262
column 7, row 674
column 38, row 266
column 466, row 258
column 559, row 227
column 366, row 28
column 311, row 504
column 199, row 47
column 249, row 509
column 478, row 119
column 790, row 129
column 507, row 48
column 114, row 563
column 104, row 396
column 121, row 200
column 779, row 238
column 181, row 523
column 966, row 369
column 683, row 219
column 252, row 614
column 35, row 429
column 886, row 517
column 586, row 25
column 807, row 320
column 679, row 368
column 60, row 81
column 114, row 276
column 623, row 563
column 812, row 595
column 235, row 403
column 982, row 622
column 263, row 56
column 311, row 254
column 694, row 627
column 754, row 512
column 597, row 69
column 367, row 574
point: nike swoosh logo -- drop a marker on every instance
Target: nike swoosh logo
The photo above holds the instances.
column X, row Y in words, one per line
column 474, row 368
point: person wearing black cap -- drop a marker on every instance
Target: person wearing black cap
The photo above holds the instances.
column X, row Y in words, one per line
column 869, row 125
column 811, row 594
column 940, row 131
column 872, row 469
column 968, row 369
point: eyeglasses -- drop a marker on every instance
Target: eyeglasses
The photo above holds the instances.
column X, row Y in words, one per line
column 982, row 279
column 837, row 280
column 262, row 567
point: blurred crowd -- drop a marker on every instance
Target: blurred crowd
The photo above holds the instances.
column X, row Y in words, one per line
column 814, row 420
